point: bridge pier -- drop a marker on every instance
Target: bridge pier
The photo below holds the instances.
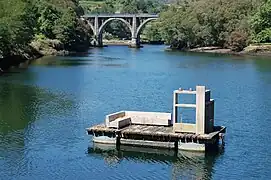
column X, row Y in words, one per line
column 98, row 41
column 135, row 43
column 135, row 22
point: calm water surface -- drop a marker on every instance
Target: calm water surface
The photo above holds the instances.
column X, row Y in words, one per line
column 45, row 109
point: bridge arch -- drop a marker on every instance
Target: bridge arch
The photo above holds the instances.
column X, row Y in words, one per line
column 91, row 26
column 142, row 25
column 112, row 19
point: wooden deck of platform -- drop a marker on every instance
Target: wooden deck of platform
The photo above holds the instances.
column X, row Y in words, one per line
column 155, row 133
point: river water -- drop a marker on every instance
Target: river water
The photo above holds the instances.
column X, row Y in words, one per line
column 45, row 109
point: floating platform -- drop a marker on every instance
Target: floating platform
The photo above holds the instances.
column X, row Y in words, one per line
column 161, row 129
column 156, row 136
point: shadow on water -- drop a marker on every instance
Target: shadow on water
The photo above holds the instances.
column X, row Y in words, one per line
column 195, row 165
column 68, row 61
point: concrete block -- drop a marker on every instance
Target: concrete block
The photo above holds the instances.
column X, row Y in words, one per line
column 120, row 122
column 104, row 140
column 149, row 118
column 191, row 146
column 126, row 121
column 112, row 117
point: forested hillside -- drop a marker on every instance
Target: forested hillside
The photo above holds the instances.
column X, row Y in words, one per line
column 186, row 24
column 122, row 6
column 44, row 23
column 225, row 23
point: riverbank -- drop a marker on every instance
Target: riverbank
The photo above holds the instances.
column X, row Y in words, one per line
column 49, row 47
column 251, row 50
column 20, row 59
column 23, row 57
column 35, row 50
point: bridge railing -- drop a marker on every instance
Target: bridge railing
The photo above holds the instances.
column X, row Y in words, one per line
column 120, row 15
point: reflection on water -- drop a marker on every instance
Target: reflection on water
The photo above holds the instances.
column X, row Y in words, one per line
column 183, row 164
column 22, row 104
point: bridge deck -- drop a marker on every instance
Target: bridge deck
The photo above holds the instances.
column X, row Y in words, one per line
column 120, row 15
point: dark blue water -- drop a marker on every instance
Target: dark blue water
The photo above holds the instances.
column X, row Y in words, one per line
column 45, row 109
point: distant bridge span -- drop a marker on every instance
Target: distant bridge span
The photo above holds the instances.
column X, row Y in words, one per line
column 135, row 23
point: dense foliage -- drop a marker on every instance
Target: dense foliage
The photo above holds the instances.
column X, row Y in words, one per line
column 194, row 23
column 21, row 21
column 122, row 6
column 17, row 22
column 224, row 23
column 261, row 23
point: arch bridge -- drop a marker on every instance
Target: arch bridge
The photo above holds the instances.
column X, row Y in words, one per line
column 135, row 23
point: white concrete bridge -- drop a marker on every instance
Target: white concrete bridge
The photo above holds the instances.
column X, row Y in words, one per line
column 135, row 23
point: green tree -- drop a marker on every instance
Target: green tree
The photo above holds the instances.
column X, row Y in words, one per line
column 63, row 28
column 21, row 20
column 190, row 23
column 5, row 41
column 151, row 32
column 17, row 23
column 261, row 23
column 60, row 20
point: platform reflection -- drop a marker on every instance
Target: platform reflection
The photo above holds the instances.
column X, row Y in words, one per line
column 184, row 164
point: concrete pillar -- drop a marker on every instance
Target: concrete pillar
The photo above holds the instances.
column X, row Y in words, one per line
column 98, row 37
column 200, row 110
column 175, row 108
column 100, row 40
column 135, row 42
column 96, row 26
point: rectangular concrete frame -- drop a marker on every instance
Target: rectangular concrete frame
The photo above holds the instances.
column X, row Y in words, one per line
column 204, row 111
column 182, row 127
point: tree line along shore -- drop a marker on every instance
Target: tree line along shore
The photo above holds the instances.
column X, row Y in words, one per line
column 33, row 28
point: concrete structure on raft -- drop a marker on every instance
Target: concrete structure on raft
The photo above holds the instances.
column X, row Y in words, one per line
column 159, row 129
